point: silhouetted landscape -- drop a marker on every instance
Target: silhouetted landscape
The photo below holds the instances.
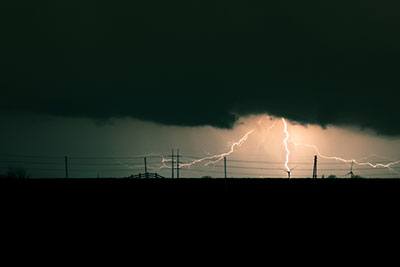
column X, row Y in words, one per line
column 201, row 187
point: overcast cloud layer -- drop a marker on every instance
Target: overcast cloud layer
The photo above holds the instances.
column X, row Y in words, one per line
column 200, row 62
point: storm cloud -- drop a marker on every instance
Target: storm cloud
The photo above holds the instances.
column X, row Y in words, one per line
column 204, row 62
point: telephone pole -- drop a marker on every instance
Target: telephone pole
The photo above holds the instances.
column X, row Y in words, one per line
column 177, row 164
column 145, row 165
column 225, row 176
column 315, row 169
column 172, row 164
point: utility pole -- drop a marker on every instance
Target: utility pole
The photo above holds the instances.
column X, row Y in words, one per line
column 315, row 169
column 66, row 167
column 173, row 175
column 145, row 165
column 225, row 176
column 177, row 163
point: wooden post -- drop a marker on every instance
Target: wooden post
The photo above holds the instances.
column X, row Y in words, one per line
column 315, row 175
column 177, row 164
column 225, row 176
column 173, row 175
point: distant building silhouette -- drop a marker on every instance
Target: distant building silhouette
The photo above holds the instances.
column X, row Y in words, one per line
column 146, row 175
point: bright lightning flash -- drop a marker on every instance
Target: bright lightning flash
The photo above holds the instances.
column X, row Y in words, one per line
column 164, row 163
column 217, row 158
column 213, row 159
column 370, row 164
column 285, row 144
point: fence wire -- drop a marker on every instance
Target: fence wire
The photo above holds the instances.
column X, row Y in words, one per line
column 126, row 166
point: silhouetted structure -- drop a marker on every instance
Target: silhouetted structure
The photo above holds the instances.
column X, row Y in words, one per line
column 177, row 163
column 172, row 164
column 315, row 175
column 351, row 173
column 146, row 175
column 225, row 176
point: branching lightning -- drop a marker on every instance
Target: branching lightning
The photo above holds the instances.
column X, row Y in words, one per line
column 357, row 162
column 213, row 159
column 217, row 158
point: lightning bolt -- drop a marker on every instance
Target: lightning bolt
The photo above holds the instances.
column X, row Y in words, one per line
column 213, row 159
column 217, row 158
column 357, row 162
column 286, row 145
column 317, row 151
column 164, row 162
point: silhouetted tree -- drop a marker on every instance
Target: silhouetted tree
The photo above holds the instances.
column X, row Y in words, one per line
column 17, row 173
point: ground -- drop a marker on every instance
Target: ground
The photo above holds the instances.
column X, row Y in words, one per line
column 209, row 187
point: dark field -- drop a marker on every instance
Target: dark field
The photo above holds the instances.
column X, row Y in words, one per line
column 190, row 201
column 130, row 188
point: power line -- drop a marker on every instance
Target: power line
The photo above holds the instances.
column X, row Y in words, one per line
column 113, row 158
column 31, row 162
column 211, row 166
column 279, row 162
column 96, row 164
column 36, row 169
column 30, row 156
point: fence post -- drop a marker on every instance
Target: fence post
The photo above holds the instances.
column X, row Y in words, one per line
column 173, row 176
column 177, row 164
column 225, row 176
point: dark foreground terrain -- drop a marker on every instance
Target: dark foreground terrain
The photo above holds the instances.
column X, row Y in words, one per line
column 338, row 189
column 216, row 203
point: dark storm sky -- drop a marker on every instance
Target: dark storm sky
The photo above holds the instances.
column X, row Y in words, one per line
column 204, row 62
